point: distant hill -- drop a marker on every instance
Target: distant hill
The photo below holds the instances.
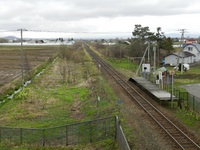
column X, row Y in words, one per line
column 12, row 38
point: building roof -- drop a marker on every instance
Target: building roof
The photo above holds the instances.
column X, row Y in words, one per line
column 193, row 44
column 190, row 41
column 179, row 54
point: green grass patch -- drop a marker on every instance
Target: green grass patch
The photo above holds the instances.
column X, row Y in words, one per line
column 36, row 109
column 189, row 77
column 105, row 144
column 189, row 118
column 122, row 64
column 48, row 103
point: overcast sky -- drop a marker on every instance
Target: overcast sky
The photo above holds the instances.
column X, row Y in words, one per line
column 117, row 17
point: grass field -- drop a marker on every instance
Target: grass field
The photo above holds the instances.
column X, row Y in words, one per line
column 48, row 102
column 54, row 99
column 51, row 101
column 189, row 77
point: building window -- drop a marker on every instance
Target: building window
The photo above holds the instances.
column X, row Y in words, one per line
column 190, row 48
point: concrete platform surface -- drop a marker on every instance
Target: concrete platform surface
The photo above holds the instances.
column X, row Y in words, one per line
column 152, row 89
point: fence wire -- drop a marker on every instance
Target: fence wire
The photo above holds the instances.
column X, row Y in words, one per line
column 79, row 133
column 184, row 99
column 194, row 103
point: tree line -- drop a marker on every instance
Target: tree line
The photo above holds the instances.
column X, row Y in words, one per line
column 135, row 46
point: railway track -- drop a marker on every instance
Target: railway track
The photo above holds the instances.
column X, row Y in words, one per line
column 179, row 139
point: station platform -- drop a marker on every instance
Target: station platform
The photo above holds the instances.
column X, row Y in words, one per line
column 151, row 89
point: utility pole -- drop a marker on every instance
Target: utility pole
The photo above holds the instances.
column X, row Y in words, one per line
column 182, row 31
column 172, row 90
column 148, row 52
column 142, row 61
column 99, row 98
column 154, row 51
column 22, row 55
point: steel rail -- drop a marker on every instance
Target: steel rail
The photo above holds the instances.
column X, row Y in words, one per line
column 187, row 140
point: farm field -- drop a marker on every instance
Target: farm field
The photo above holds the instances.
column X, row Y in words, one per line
column 67, row 92
column 58, row 97
column 11, row 60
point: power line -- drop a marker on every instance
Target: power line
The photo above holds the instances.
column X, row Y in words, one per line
column 8, row 30
column 73, row 32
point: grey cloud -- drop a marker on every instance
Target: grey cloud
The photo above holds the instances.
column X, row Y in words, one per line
column 61, row 13
column 83, row 9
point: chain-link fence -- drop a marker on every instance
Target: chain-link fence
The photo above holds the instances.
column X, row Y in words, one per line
column 91, row 131
column 120, row 137
column 184, row 99
column 194, row 103
column 72, row 134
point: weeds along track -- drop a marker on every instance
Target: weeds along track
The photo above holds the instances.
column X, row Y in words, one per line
column 178, row 138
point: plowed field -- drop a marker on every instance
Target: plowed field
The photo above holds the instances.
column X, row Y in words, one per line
column 11, row 61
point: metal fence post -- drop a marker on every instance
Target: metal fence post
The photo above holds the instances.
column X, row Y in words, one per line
column 116, row 127
column 0, row 134
column 193, row 100
column 43, row 138
column 66, row 136
column 90, row 131
column 20, row 135
column 187, row 101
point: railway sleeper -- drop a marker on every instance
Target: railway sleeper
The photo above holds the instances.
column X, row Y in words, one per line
column 129, row 89
column 139, row 99
column 164, row 122
column 175, row 134
column 158, row 116
column 190, row 147
column 182, row 141
column 153, row 112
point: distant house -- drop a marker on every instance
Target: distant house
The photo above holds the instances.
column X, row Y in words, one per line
column 108, row 43
column 190, row 54
column 172, row 59
column 193, row 48
column 191, row 41
column 39, row 41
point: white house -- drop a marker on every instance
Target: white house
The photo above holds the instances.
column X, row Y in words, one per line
column 174, row 58
column 190, row 54
column 193, row 48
